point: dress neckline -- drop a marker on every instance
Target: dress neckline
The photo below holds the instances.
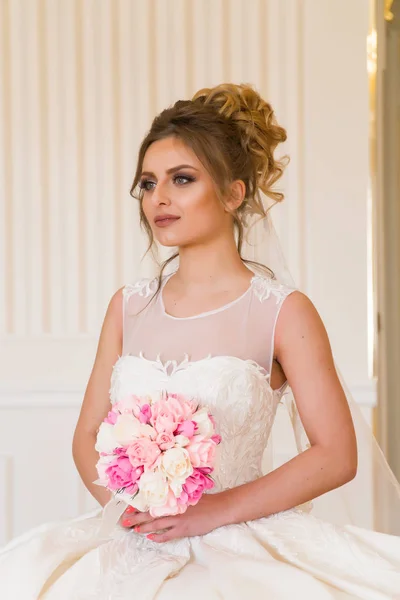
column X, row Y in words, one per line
column 208, row 312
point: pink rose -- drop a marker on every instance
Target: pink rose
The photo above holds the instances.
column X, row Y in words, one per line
column 188, row 407
column 139, row 403
column 171, row 506
column 216, row 438
column 111, row 417
column 195, row 485
column 165, row 440
column 201, row 451
column 143, row 452
column 167, row 414
column 145, row 413
column 120, row 474
column 186, row 428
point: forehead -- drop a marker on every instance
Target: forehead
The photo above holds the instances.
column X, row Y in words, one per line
column 167, row 153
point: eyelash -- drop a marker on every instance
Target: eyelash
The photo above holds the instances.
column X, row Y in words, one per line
column 144, row 182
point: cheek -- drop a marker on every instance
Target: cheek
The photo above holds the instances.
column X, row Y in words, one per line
column 204, row 209
column 146, row 208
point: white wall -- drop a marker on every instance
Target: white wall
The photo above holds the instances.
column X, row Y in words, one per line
column 81, row 82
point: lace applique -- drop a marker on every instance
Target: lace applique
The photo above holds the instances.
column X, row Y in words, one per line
column 170, row 367
column 178, row 365
column 264, row 287
column 144, row 287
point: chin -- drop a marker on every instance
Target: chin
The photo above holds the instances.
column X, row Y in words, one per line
column 168, row 241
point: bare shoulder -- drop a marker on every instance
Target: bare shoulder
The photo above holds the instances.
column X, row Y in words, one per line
column 115, row 303
column 299, row 322
column 113, row 314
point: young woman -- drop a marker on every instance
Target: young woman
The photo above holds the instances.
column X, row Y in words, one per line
column 236, row 339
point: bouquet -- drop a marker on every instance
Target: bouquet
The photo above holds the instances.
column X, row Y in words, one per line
column 157, row 452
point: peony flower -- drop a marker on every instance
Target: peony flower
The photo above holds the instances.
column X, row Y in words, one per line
column 165, row 440
column 201, row 451
column 204, row 423
column 106, row 441
column 175, row 464
column 195, row 485
column 186, row 428
column 171, row 506
column 143, row 452
column 153, row 491
column 120, row 474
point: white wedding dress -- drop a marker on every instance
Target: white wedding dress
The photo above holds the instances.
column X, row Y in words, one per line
column 223, row 358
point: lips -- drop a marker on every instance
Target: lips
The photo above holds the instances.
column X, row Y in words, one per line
column 161, row 220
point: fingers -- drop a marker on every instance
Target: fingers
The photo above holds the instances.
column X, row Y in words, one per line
column 166, row 536
column 144, row 523
column 131, row 517
column 129, row 511
column 155, row 525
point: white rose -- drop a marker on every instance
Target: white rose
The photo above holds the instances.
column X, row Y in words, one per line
column 139, row 502
column 181, row 440
column 175, row 464
column 147, row 431
column 176, row 487
column 204, row 424
column 153, row 490
column 106, row 441
column 102, row 465
column 126, row 429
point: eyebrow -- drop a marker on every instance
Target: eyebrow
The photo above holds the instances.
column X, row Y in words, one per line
column 171, row 170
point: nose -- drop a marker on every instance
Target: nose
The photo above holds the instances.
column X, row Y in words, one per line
column 160, row 195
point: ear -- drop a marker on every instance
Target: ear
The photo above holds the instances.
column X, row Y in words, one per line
column 237, row 195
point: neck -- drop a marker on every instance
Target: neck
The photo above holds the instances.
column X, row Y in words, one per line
column 213, row 263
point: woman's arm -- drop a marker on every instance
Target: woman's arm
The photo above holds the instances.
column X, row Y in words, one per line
column 303, row 350
column 96, row 402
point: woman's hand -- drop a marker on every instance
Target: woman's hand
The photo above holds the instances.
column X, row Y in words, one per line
column 200, row 519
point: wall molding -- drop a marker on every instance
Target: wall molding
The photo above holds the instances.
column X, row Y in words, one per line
column 71, row 397
column 6, row 504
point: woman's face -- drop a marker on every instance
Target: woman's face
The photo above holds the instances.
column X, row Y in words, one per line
column 179, row 198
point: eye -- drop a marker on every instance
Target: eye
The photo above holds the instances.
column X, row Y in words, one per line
column 145, row 183
column 183, row 179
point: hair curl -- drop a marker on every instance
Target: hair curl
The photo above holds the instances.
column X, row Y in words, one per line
column 234, row 133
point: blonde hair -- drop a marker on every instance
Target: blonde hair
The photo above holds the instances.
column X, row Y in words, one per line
column 234, row 133
column 259, row 135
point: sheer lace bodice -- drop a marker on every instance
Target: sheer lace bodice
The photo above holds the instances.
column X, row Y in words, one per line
column 234, row 380
column 243, row 328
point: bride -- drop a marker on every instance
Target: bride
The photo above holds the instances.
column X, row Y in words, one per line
column 232, row 334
